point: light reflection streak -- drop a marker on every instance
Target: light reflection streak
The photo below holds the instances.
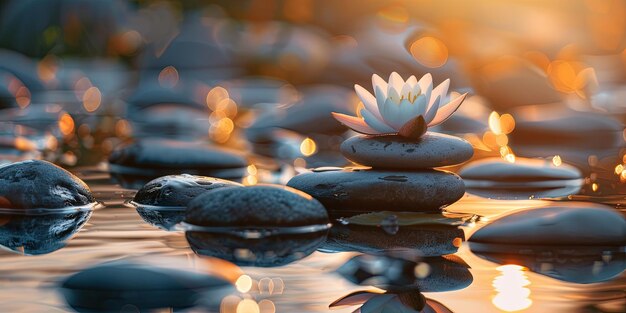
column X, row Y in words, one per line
column 510, row 286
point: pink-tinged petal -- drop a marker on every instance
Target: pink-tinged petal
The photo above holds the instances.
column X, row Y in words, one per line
column 426, row 80
column 434, row 306
column 357, row 311
column 369, row 101
column 412, row 81
column 395, row 81
column 377, row 81
column 375, row 123
column 392, row 114
column 355, row 123
column 355, row 298
column 440, row 91
column 432, row 110
column 446, row 111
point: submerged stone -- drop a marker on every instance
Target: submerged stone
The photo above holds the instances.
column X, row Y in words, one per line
column 154, row 158
column 431, row 150
column 395, row 274
column 117, row 285
column 257, row 207
column 572, row 224
column 178, row 190
column 38, row 184
column 352, row 191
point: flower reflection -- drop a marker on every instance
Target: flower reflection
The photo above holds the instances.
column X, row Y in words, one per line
column 510, row 286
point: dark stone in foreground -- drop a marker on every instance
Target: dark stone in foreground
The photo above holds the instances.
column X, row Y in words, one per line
column 255, row 206
column 178, row 190
column 354, row 190
column 429, row 151
column 576, row 225
column 37, row 184
column 111, row 287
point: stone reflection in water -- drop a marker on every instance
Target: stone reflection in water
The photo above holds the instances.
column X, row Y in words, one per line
column 165, row 218
column 575, row 264
column 273, row 250
column 377, row 232
column 511, row 292
column 121, row 285
column 40, row 233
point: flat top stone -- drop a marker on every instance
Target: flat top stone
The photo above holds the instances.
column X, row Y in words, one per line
column 170, row 154
column 35, row 184
column 391, row 151
column 575, row 224
column 255, row 206
column 523, row 170
column 178, row 190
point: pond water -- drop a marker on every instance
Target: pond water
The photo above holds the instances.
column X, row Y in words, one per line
column 29, row 282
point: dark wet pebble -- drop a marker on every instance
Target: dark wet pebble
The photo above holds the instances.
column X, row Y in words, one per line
column 154, row 158
column 113, row 286
column 178, row 190
column 35, row 184
column 255, row 206
column 350, row 191
column 573, row 224
column 431, row 150
column 35, row 234
column 395, row 274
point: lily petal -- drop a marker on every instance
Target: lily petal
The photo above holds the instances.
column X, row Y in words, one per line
column 357, row 297
column 426, row 80
column 395, row 81
column 375, row 123
column 432, row 110
column 377, row 81
column 355, row 123
column 392, row 114
column 406, row 89
column 446, row 111
column 412, row 81
column 369, row 101
column 381, row 97
column 393, row 94
column 440, row 91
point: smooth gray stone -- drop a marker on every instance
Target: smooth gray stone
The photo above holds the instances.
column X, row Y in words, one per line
column 394, row 152
column 523, row 170
column 255, row 206
column 573, row 224
column 357, row 190
column 178, row 190
column 35, row 184
column 167, row 155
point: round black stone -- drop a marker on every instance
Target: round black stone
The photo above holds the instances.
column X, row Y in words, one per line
column 38, row 184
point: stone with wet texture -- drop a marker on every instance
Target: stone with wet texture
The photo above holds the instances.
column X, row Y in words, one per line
column 35, row 184
column 573, row 224
column 429, row 151
column 114, row 286
column 261, row 206
column 351, row 190
column 157, row 157
column 178, row 190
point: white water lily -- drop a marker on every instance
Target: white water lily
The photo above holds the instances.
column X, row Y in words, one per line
column 406, row 108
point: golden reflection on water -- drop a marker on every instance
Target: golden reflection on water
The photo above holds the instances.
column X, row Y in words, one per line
column 510, row 286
